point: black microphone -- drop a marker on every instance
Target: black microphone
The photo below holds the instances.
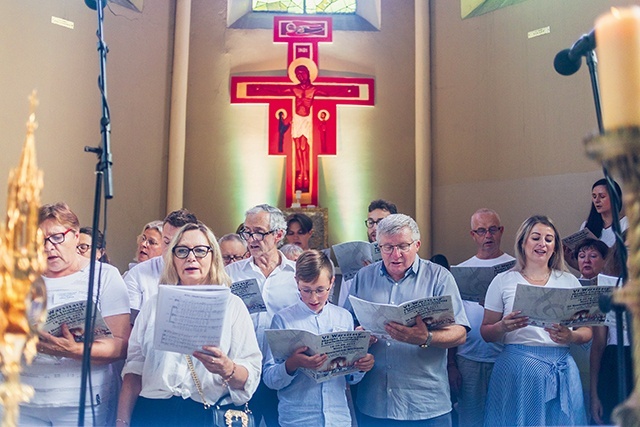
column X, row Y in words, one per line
column 93, row 4
column 568, row 61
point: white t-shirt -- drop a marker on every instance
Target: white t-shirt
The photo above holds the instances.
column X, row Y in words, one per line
column 56, row 380
column 475, row 348
column 501, row 294
column 142, row 281
column 607, row 235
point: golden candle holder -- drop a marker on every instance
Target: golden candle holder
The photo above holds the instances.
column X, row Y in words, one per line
column 22, row 291
column 619, row 152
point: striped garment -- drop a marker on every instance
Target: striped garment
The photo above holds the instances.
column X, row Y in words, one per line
column 535, row 386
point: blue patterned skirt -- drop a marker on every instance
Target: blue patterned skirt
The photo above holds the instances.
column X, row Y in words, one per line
column 535, row 386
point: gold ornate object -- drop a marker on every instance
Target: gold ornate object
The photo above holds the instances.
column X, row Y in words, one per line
column 22, row 292
column 619, row 152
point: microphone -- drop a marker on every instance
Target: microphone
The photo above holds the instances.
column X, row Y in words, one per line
column 93, row 4
column 568, row 61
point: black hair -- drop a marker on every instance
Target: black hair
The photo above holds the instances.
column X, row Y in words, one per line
column 595, row 224
column 306, row 223
column 383, row 205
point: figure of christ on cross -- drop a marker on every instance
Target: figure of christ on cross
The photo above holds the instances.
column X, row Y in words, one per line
column 303, row 93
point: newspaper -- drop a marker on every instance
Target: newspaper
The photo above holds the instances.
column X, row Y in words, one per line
column 342, row 349
column 352, row 256
column 249, row 292
column 569, row 307
column 73, row 315
column 473, row 282
column 436, row 312
column 188, row 317
column 573, row 241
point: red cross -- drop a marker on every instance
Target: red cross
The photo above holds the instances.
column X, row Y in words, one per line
column 302, row 106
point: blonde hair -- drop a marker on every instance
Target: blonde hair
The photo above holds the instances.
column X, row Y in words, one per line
column 556, row 261
column 217, row 274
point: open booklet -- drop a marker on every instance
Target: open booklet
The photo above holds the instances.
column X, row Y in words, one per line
column 436, row 312
column 73, row 315
column 611, row 281
column 473, row 282
column 352, row 256
column 249, row 292
column 342, row 349
column 566, row 306
column 576, row 239
column 188, row 317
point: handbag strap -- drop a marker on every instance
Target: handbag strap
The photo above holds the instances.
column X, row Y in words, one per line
column 197, row 381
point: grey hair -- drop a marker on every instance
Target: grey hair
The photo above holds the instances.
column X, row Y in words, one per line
column 153, row 225
column 394, row 223
column 232, row 237
column 485, row 211
column 277, row 219
column 290, row 250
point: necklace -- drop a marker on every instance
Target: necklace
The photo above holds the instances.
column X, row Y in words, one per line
column 544, row 279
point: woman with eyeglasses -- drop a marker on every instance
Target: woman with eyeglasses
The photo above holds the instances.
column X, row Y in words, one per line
column 158, row 387
column 56, row 371
column 534, row 381
column 84, row 245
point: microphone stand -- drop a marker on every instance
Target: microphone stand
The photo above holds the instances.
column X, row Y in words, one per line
column 103, row 174
column 607, row 304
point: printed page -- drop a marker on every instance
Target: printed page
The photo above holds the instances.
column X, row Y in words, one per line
column 188, row 317
column 573, row 241
column 473, row 282
column 73, row 315
column 342, row 349
column 352, row 256
column 249, row 291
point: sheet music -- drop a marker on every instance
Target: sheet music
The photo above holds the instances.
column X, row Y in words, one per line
column 473, row 282
column 188, row 317
column 342, row 349
column 352, row 256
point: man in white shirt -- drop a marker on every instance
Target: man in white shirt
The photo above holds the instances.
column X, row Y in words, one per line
column 264, row 228
column 470, row 364
column 142, row 279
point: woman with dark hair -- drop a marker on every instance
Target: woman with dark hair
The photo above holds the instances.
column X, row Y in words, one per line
column 299, row 230
column 535, row 381
column 84, row 245
column 601, row 215
column 159, row 387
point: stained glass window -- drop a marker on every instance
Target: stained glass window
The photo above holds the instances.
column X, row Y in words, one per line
column 305, row 6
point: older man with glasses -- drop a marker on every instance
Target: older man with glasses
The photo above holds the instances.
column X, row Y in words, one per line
column 408, row 384
column 264, row 228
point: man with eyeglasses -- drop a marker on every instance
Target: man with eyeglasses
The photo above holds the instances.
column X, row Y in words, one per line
column 142, row 279
column 408, row 384
column 470, row 365
column 264, row 228
column 233, row 248
column 378, row 210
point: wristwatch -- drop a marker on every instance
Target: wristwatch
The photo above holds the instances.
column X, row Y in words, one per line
column 427, row 343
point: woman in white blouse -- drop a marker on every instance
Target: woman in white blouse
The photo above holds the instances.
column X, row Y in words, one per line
column 158, row 387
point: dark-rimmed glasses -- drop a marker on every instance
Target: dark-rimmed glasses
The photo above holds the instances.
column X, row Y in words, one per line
column 371, row 222
column 493, row 230
column 182, row 252
column 58, row 238
column 258, row 236
column 233, row 258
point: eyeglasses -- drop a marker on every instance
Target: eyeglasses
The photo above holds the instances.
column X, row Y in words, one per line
column 58, row 238
column 257, row 236
column 83, row 248
column 482, row 231
column 320, row 292
column 182, row 252
column 402, row 247
column 371, row 222
column 151, row 242
column 232, row 258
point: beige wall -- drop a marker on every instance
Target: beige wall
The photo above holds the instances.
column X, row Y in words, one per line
column 507, row 129
column 63, row 65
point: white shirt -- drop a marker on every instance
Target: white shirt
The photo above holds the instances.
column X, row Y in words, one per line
column 476, row 348
column 608, row 235
column 500, row 297
column 166, row 374
column 57, row 379
column 279, row 290
column 142, row 281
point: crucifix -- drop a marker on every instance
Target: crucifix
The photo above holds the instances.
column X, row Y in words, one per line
column 302, row 105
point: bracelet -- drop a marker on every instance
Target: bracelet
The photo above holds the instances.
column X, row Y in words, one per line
column 233, row 372
column 122, row 421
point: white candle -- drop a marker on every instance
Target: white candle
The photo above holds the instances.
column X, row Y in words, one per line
column 618, row 48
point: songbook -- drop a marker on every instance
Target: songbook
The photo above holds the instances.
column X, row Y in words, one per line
column 611, row 281
column 342, row 349
column 570, row 307
column 436, row 312
column 576, row 239
column 589, row 282
column 473, row 282
column 188, row 317
column 352, row 256
column 249, row 292
column 73, row 315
